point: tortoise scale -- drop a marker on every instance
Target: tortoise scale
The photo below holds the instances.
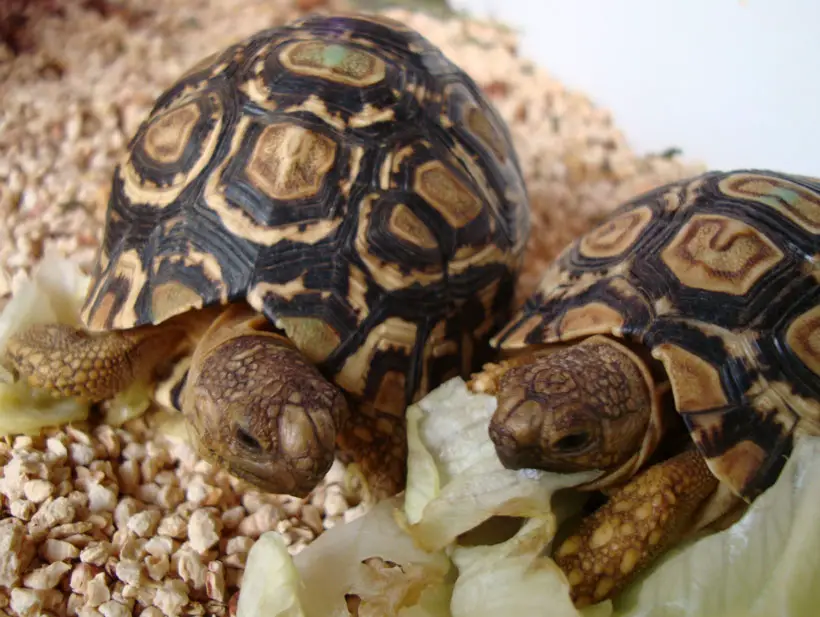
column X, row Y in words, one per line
column 692, row 310
column 315, row 226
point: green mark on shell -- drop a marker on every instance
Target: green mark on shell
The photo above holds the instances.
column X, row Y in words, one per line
column 335, row 62
column 334, row 55
column 788, row 195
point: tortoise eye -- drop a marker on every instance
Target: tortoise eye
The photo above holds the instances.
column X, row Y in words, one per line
column 573, row 441
column 246, row 439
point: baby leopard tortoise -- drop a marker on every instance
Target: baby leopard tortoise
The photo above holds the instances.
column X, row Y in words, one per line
column 321, row 223
column 691, row 311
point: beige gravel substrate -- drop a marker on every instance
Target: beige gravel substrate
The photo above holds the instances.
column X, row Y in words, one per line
column 105, row 521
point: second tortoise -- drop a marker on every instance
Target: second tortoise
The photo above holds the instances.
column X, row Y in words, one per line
column 676, row 348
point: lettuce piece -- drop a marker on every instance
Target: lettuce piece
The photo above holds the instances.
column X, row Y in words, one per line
column 768, row 563
column 277, row 592
column 171, row 424
column 53, row 294
column 127, row 405
column 368, row 564
column 26, row 411
column 511, row 578
column 349, row 560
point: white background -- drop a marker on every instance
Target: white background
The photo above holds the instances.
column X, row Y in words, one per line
column 734, row 83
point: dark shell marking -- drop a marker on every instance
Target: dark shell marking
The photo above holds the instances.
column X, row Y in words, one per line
column 342, row 176
column 718, row 275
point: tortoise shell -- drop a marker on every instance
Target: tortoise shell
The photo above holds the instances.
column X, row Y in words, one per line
column 718, row 276
column 345, row 179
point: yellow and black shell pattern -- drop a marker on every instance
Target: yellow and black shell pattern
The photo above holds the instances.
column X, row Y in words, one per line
column 719, row 276
column 345, row 179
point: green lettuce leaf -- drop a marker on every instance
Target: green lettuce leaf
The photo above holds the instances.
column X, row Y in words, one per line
column 368, row 563
column 26, row 411
column 259, row 596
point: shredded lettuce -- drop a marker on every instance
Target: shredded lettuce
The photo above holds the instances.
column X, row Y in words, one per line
column 127, row 405
column 26, row 411
column 270, row 554
column 369, row 564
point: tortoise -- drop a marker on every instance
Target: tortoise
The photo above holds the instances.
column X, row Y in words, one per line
column 674, row 348
column 311, row 229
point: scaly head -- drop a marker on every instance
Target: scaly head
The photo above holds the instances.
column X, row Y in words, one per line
column 583, row 407
column 258, row 407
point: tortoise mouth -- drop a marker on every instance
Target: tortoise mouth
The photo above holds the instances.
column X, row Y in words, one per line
column 264, row 484
column 534, row 459
column 565, row 467
column 277, row 481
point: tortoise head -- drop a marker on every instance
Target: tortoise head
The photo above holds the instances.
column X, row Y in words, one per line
column 256, row 406
column 587, row 406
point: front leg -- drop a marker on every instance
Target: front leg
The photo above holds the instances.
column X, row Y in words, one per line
column 639, row 522
column 68, row 361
